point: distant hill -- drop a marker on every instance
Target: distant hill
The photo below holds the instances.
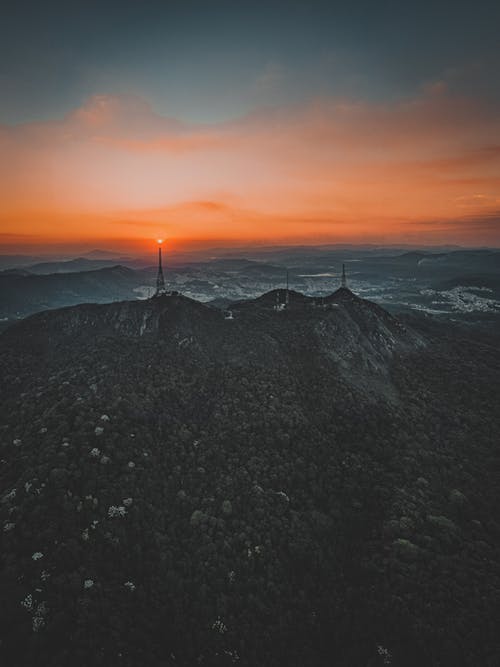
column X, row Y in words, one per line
column 440, row 261
column 15, row 272
column 22, row 294
column 72, row 265
column 465, row 261
column 482, row 280
column 102, row 254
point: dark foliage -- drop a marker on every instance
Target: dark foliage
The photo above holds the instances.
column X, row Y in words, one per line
column 312, row 487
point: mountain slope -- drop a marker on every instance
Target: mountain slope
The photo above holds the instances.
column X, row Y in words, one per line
column 356, row 336
column 181, row 489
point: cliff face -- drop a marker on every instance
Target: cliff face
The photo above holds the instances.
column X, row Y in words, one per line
column 362, row 334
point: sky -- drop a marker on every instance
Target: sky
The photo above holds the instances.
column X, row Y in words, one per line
column 249, row 122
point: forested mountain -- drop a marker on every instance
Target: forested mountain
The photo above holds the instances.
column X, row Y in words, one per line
column 312, row 486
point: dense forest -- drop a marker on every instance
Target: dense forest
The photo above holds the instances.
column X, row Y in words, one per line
column 317, row 487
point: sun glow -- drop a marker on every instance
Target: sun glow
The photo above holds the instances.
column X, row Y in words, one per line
column 419, row 170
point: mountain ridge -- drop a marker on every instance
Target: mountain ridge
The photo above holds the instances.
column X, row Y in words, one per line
column 356, row 338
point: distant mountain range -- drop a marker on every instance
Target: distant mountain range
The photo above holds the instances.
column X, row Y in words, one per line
column 72, row 266
column 22, row 293
column 102, row 254
column 441, row 283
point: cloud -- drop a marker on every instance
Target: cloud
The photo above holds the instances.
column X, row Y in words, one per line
column 335, row 167
column 478, row 201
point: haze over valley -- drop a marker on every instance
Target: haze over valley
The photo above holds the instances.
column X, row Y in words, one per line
column 443, row 282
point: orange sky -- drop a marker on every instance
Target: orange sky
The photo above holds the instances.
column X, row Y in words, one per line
column 422, row 170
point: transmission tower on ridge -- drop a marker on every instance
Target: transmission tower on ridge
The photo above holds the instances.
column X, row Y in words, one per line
column 343, row 282
column 160, row 279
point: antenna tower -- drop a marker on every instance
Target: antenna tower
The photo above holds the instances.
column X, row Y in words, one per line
column 344, row 278
column 160, row 279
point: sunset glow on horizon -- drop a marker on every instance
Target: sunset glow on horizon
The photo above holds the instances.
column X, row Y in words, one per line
column 418, row 163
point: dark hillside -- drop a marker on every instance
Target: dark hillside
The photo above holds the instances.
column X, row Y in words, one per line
column 315, row 486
